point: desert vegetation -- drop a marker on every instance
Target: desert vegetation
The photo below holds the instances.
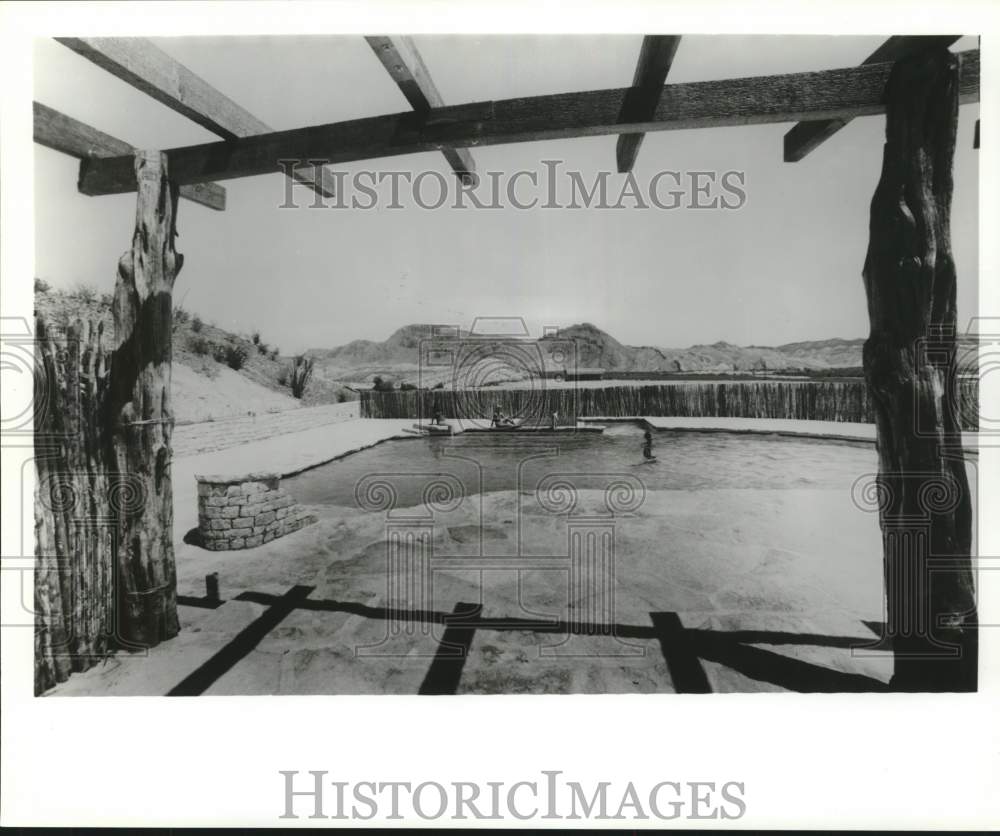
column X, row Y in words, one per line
column 300, row 373
column 199, row 344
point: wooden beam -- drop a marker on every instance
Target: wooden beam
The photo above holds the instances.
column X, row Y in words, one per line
column 655, row 57
column 855, row 91
column 142, row 64
column 806, row 136
column 63, row 133
column 924, row 502
column 399, row 55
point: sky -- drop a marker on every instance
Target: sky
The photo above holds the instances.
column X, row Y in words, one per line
column 785, row 267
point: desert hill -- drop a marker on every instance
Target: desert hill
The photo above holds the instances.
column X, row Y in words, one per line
column 216, row 373
column 398, row 357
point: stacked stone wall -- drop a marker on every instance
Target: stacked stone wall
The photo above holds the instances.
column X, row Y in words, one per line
column 246, row 511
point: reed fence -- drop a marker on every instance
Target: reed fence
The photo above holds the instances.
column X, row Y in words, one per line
column 845, row 401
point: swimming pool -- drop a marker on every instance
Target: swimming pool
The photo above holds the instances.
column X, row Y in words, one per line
column 488, row 462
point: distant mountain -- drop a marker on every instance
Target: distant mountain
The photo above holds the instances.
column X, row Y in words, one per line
column 398, row 357
column 402, row 347
column 834, row 353
column 597, row 349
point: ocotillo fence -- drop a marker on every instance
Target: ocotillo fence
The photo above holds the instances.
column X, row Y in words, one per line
column 846, row 401
column 74, row 569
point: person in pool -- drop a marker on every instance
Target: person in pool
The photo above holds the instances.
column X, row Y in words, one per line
column 647, row 447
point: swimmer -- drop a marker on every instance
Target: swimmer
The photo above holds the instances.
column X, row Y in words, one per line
column 647, row 448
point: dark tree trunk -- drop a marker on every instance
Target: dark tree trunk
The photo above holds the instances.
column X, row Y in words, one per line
column 910, row 366
column 140, row 415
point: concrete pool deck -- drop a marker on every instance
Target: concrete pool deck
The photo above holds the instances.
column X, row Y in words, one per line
column 714, row 590
column 839, row 430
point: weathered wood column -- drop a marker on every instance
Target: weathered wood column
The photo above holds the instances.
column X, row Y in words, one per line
column 909, row 361
column 140, row 416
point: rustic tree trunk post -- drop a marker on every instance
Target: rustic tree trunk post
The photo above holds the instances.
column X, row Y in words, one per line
column 139, row 413
column 910, row 367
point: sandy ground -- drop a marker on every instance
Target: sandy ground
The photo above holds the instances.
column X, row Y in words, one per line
column 197, row 397
column 721, row 590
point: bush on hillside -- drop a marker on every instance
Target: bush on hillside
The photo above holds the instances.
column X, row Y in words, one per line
column 201, row 346
column 42, row 286
column 196, row 324
column 232, row 355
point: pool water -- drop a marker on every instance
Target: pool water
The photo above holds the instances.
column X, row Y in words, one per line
column 486, row 462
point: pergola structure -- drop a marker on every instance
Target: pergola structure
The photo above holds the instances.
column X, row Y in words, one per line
column 909, row 278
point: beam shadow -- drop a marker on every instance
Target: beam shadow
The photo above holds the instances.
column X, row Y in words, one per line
column 783, row 671
column 683, row 663
column 682, row 647
column 445, row 671
column 242, row 643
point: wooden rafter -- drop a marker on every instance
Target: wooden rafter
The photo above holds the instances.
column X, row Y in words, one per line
column 400, row 57
column 63, row 133
column 830, row 94
column 140, row 63
column 655, row 58
column 806, row 136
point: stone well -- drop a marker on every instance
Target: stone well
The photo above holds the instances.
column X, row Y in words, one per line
column 240, row 512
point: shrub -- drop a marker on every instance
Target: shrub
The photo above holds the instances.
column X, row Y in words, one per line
column 380, row 385
column 255, row 338
column 84, row 293
column 41, row 286
column 233, row 356
column 438, row 385
column 107, row 300
column 406, row 387
column 181, row 314
column 196, row 324
column 201, row 346
column 274, row 353
column 301, row 372
column 263, row 348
